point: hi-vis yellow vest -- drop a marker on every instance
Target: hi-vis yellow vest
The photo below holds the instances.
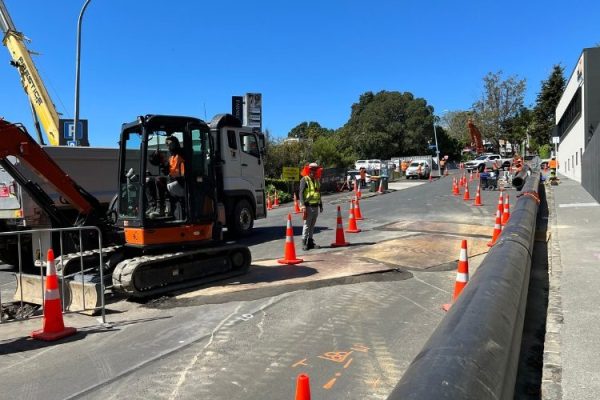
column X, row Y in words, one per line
column 312, row 193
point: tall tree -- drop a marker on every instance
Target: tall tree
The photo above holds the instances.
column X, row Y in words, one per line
column 500, row 103
column 455, row 123
column 308, row 130
column 545, row 107
column 388, row 124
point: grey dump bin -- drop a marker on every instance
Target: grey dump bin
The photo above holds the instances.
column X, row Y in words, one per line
column 385, row 183
column 373, row 185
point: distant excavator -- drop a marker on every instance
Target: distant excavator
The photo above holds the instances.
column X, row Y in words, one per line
column 476, row 141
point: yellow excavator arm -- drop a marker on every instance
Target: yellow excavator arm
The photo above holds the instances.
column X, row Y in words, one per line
column 30, row 77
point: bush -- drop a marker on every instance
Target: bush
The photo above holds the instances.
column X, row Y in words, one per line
column 282, row 187
column 544, row 151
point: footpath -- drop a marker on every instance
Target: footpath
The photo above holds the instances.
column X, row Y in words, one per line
column 572, row 344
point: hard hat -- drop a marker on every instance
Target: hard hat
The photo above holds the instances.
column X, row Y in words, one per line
column 313, row 165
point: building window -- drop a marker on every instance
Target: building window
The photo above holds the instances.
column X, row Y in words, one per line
column 572, row 114
column 573, row 161
column 576, row 158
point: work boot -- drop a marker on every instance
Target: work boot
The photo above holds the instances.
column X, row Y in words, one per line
column 312, row 245
column 305, row 245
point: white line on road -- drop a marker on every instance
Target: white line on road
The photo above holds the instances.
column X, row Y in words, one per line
column 570, row 205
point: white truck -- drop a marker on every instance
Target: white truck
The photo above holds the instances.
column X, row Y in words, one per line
column 487, row 160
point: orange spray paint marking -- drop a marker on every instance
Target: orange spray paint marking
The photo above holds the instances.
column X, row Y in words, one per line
column 331, row 382
column 336, row 356
column 360, row 347
column 301, row 362
column 348, row 363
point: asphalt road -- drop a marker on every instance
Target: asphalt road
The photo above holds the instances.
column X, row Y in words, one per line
column 354, row 337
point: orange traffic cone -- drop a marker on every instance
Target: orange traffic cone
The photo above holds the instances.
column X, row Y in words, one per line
column 289, row 250
column 276, row 203
column 357, row 214
column 446, row 171
column 352, row 227
column 497, row 230
column 297, row 209
column 471, row 177
column 506, row 211
column 269, row 205
column 500, row 207
column 462, row 274
column 455, row 188
column 358, row 191
column 53, row 327
column 355, row 186
column 467, row 196
column 478, row 197
column 380, row 188
column 430, row 178
column 340, row 239
column 302, row 387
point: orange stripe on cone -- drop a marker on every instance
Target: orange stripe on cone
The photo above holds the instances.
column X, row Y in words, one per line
column 478, row 197
column 462, row 274
column 352, row 227
column 289, row 250
column 506, row 211
column 340, row 239
column 53, row 327
column 497, row 230
column 302, row 387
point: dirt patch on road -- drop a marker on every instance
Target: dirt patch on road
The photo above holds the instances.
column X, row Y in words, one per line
column 451, row 228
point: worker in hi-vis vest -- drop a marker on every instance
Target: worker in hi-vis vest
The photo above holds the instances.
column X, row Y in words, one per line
column 310, row 204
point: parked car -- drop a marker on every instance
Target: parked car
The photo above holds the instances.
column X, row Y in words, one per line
column 418, row 169
column 486, row 160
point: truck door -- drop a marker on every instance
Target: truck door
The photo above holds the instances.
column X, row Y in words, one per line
column 252, row 168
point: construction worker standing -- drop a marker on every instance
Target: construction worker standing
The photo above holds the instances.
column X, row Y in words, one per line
column 310, row 204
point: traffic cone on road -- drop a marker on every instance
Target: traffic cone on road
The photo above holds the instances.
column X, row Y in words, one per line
column 500, row 207
column 276, row 203
column 297, row 209
column 53, row 327
column 467, row 196
column 462, row 274
column 358, row 192
column 340, row 239
column 352, row 227
column 380, row 189
column 289, row 250
column 497, row 229
column 455, row 188
column 302, row 387
column 269, row 205
column 357, row 214
column 478, row 197
column 471, row 177
column 446, row 171
column 430, row 178
column 506, row 211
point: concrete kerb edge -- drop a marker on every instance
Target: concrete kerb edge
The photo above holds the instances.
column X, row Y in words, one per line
column 552, row 364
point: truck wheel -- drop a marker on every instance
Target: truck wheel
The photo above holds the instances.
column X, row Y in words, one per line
column 481, row 167
column 242, row 218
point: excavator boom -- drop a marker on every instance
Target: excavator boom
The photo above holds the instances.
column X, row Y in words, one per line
column 476, row 141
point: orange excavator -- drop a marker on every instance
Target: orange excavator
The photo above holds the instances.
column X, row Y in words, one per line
column 476, row 141
column 145, row 255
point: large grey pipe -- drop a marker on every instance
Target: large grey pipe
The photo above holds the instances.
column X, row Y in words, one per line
column 474, row 352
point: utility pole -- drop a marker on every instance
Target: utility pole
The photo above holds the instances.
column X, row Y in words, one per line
column 77, row 62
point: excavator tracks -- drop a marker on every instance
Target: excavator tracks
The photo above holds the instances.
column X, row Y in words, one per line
column 72, row 263
column 151, row 275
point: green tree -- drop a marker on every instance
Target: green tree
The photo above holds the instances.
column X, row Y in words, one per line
column 328, row 151
column 388, row 124
column 544, row 110
column 455, row 124
column 308, row 130
column 500, row 103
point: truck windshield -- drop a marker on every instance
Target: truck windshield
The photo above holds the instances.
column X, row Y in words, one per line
column 481, row 158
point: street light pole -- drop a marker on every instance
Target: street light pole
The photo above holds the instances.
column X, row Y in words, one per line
column 437, row 149
column 77, row 62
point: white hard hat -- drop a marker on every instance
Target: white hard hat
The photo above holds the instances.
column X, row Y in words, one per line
column 313, row 165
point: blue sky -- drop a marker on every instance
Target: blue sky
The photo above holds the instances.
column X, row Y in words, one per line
column 311, row 60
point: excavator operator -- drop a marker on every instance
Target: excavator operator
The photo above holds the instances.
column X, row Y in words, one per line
column 157, row 187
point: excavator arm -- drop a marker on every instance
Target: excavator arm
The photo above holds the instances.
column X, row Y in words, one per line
column 476, row 141
column 15, row 141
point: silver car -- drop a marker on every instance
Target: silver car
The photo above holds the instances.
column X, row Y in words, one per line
column 418, row 169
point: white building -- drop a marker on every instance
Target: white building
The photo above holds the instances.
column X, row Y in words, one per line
column 578, row 113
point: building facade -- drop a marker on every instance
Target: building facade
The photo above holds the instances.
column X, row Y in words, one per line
column 578, row 115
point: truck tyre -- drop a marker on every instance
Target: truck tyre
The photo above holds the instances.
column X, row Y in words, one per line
column 481, row 167
column 242, row 218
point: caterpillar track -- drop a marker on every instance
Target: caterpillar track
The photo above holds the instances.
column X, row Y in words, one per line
column 151, row 275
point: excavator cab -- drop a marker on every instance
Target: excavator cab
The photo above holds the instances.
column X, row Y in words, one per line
column 166, row 180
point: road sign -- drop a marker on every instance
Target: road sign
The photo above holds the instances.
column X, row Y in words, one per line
column 290, row 174
column 431, row 146
column 68, row 134
column 555, row 139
